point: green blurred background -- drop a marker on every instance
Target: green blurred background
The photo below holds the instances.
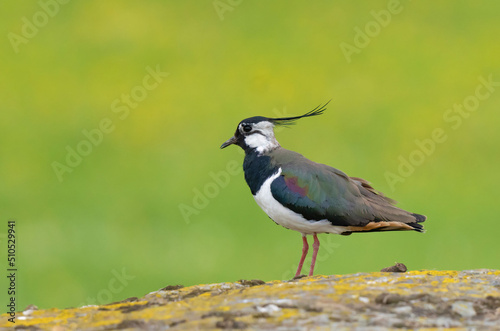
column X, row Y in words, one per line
column 119, row 210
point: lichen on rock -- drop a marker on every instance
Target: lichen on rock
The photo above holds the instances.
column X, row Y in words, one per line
column 415, row 299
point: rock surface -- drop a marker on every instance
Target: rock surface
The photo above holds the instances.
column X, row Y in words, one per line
column 415, row 299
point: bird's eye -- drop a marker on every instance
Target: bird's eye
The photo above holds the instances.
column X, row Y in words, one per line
column 247, row 128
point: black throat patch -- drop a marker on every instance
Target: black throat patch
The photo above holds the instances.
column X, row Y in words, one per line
column 257, row 169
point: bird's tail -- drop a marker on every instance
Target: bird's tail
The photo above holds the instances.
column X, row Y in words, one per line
column 383, row 225
column 418, row 219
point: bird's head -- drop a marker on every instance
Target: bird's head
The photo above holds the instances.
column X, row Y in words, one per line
column 257, row 133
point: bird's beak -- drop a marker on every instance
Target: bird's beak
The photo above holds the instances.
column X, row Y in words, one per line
column 230, row 141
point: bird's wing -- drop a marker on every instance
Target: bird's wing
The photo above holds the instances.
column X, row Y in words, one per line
column 317, row 192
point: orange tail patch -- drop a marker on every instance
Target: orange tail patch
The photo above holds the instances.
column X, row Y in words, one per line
column 381, row 226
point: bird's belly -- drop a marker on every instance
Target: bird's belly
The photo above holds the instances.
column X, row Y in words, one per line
column 288, row 218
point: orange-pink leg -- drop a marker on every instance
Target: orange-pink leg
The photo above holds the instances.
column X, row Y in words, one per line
column 305, row 248
column 315, row 253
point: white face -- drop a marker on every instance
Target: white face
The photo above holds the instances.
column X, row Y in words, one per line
column 261, row 137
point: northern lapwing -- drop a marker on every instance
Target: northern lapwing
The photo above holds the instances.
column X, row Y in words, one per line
column 310, row 197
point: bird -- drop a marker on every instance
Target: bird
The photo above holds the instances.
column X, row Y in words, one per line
column 311, row 197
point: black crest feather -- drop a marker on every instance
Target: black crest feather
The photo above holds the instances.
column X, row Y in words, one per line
column 291, row 120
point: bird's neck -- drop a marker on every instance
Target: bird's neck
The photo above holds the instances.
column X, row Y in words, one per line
column 258, row 167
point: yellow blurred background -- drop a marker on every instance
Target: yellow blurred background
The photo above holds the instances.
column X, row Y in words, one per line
column 113, row 113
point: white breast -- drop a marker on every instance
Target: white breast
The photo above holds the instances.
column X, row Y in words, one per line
column 288, row 218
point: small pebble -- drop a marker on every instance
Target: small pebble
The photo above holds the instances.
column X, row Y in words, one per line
column 253, row 282
column 398, row 267
column 463, row 308
column 402, row 310
column 388, row 298
column 31, row 307
column 364, row 299
column 29, row 310
column 172, row 287
column 268, row 309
